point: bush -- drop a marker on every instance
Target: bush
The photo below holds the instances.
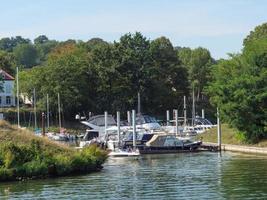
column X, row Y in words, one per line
column 62, row 164
column 23, row 155
column 6, row 174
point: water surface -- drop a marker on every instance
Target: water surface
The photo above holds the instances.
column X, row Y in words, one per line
column 174, row 176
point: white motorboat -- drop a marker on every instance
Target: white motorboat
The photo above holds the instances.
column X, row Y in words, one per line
column 122, row 153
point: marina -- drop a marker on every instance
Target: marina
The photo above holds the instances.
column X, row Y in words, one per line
column 153, row 100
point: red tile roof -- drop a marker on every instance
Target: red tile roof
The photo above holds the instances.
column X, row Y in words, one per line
column 7, row 77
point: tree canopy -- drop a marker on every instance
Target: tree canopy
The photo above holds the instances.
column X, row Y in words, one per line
column 239, row 89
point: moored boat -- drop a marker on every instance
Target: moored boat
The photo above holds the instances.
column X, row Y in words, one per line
column 124, row 153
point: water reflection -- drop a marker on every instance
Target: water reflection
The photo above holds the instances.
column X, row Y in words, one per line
column 175, row 176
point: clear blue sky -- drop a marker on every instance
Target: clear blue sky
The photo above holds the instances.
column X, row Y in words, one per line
column 219, row 25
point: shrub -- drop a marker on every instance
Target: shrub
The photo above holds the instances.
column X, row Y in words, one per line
column 6, row 174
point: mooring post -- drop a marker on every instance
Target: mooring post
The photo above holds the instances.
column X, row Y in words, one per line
column 185, row 111
column 176, row 122
column 43, row 124
column 219, row 131
column 203, row 113
column 134, row 129
column 168, row 117
column 129, row 118
column 118, row 126
column 106, row 121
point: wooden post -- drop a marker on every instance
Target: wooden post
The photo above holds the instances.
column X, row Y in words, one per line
column 168, row 117
column 118, row 126
column 219, row 131
column 134, row 129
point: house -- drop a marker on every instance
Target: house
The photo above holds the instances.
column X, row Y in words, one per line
column 7, row 97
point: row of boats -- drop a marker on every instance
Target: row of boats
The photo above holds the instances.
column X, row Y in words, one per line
column 150, row 136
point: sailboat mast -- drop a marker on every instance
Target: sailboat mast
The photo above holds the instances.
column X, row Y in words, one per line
column 139, row 103
column 59, row 112
column 18, row 96
column 34, row 104
column 184, row 110
column 193, row 108
column 47, row 111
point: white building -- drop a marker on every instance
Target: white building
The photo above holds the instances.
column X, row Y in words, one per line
column 7, row 97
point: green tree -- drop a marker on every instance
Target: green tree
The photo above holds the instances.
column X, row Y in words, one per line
column 134, row 59
column 8, row 44
column 239, row 89
column 26, row 55
column 169, row 79
column 198, row 62
column 67, row 72
column 7, row 62
column 41, row 39
column 260, row 32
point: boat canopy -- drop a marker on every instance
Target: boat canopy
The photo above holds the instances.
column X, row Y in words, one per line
column 99, row 120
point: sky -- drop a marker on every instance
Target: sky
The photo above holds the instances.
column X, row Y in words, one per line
column 218, row 25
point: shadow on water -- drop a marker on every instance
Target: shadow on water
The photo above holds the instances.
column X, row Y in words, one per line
column 172, row 176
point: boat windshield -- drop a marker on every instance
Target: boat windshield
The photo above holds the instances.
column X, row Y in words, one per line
column 99, row 120
column 144, row 119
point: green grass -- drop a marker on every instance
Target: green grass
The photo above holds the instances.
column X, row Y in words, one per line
column 24, row 155
column 229, row 136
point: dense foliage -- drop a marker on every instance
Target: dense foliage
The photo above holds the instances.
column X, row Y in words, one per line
column 23, row 155
column 239, row 88
column 96, row 75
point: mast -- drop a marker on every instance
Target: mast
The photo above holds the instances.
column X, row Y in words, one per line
column 18, row 97
column 34, row 108
column 176, row 122
column 59, row 112
column 139, row 103
column 184, row 111
column 47, row 111
column 193, row 108
column 134, row 129
column 118, row 126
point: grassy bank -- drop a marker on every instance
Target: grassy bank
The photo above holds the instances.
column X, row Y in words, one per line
column 229, row 136
column 24, row 155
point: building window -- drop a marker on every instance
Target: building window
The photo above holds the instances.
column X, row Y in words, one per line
column 8, row 100
column 8, row 89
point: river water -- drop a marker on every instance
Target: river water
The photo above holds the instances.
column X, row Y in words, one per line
column 202, row 175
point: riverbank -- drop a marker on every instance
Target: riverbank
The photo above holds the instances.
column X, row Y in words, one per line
column 229, row 136
column 232, row 142
column 240, row 148
column 26, row 156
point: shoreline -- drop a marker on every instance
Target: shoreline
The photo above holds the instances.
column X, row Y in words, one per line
column 240, row 148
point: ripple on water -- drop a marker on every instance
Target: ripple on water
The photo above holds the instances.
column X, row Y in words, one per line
column 176, row 176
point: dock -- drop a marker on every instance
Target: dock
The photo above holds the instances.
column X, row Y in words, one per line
column 206, row 146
